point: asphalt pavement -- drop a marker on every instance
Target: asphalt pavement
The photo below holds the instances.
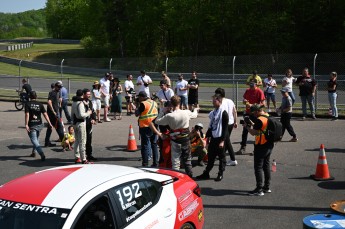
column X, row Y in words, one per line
column 227, row 205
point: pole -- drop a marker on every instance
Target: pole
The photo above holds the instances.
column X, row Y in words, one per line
column 314, row 75
column 166, row 64
column 20, row 64
column 111, row 60
column 62, row 68
column 233, row 77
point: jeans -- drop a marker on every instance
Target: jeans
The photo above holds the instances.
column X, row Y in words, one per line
column 310, row 100
column 184, row 101
column 148, row 143
column 292, row 96
column 34, row 135
column 285, row 120
column 181, row 151
column 64, row 107
column 262, row 155
column 332, row 98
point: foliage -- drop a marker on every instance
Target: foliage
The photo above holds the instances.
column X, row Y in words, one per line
column 31, row 23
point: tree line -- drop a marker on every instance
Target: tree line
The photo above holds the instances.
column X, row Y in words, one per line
column 31, row 23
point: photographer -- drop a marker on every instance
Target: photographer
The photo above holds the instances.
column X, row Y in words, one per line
column 144, row 81
column 165, row 93
column 198, row 144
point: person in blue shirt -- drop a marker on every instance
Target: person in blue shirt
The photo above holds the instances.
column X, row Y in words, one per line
column 64, row 103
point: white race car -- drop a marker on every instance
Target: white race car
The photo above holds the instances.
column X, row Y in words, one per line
column 101, row 196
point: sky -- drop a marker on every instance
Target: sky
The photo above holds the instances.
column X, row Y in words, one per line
column 16, row 6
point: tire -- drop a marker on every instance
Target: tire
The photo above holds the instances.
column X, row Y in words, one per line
column 19, row 105
column 187, row 226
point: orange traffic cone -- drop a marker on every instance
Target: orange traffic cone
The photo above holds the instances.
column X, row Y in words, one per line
column 131, row 145
column 322, row 172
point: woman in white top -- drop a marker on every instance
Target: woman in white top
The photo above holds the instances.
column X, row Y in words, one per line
column 96, row 99
column 287, row 83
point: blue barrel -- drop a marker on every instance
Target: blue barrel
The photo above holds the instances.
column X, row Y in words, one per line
column 328, row 220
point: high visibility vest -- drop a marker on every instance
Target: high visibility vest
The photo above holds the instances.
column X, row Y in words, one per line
column 260, row 139
column 195, row 143
column 149, row 114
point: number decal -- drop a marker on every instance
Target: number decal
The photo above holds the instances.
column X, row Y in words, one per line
column 126, row 193
column 137, row 192
column 120, row 197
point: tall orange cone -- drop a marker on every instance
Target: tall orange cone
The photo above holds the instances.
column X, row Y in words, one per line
column 322, row 172
column 131, row 144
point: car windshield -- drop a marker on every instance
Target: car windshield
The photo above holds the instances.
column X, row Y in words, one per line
column 20, row 215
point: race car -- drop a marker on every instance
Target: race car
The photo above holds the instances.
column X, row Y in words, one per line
column 101, row 196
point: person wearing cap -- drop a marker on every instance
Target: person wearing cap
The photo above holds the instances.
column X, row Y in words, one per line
column 270, row 89
column 253, row 95
column 262, row 150
column 34, row 124
column 216, row 136
column 105, row 95
column 130, row 92
column 286, row 113
column 307, row 88
column 193, row 92
column 116, row 101
column 165, row 93
column 79, row 114
column 332, row 94
column 96, row 99
column 198, row 143
column 64, row 103
column 147, row 111
column 53, row 111
column 181, row 90
column 229, row 106
column 143, row 82
column 178, row 121
column 254, row 77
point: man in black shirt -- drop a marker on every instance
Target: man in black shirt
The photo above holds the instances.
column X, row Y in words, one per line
column 193, row 85
column 34, row 124
column 27, row 88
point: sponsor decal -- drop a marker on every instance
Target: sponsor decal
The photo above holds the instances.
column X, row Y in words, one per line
column 185, row 196
column 187, row 201
column 28, row 207
column 188, row 210
column 200, row 215
column 138, row 212
column 151, row 225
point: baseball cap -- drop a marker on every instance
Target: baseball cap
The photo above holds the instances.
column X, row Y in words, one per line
column 199, row 125
column 58, row 84
column 142, row 94
column 255, row 107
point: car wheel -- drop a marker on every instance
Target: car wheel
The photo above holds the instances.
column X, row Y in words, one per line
column 187, row 226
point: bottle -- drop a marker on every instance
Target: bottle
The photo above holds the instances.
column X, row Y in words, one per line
column 274, row 166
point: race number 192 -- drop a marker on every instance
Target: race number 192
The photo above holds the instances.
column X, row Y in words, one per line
column 128, row 193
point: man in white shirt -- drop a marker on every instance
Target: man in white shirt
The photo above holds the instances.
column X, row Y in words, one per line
column 181, row 90
column 144, row 81
column 164, row 95
column 270, row 85
column 129, row 89
column 105, row 95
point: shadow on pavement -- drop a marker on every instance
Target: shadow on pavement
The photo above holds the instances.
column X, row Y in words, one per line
column 223, row 192
column 332, row 185
column 281, row 208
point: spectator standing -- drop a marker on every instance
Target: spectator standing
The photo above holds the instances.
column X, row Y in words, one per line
column 34, row 124
column 53, row 111
column 147, row 112
column 116, row 102
column 270, row 89
column 286, row 113
column 64, row 103
column 178, row 121
column 262, row 151
column 166, row 78
column 229, row 106
column 287, row 83
column 332, row 95
column 181, row 90
column 144, row 81
column 307, row 88
column 252, row 96
column 165, row 93
column 193, row 93
column 90, row 121
column 96, row 100
column 79, row 115
column 216, row 136
column 256, row 78
column 105, row 95
column 27, row 88
column 130, row 92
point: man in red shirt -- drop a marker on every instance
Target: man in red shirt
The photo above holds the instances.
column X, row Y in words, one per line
column 253, row 95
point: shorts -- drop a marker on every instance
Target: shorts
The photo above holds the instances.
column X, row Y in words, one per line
column 184, row 100
column 193, row 100
column 106, row 100
column 270, row 96
column 129, row 98
column 97, row 104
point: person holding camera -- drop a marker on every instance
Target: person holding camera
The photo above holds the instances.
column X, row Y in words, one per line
column 253, row 95
column 165, row 93
column 144, row 81
column 198, row 143
column 262, row 150
column 130, row 93
column 216, row 136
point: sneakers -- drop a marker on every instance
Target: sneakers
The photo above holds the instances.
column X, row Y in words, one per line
column 43, row 157
column 91, row 158
column 241, row 151
column 33, row 154
column 219, row 177
column 107, row 120
column 266, row 190
column 99, row 121
column 304, row 117
column 87, row 162
column 203, row 176
column 49, row 144
column 232, row 163
column 293, row 139
column 77, row 161
column 256, row 192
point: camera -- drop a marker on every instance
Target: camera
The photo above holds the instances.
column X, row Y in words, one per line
column 241, row 121
column 146, row 84
column 246, row 121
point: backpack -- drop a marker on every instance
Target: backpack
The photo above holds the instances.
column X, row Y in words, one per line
column 274, row 130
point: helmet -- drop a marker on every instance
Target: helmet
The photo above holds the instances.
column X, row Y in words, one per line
column 199, row 125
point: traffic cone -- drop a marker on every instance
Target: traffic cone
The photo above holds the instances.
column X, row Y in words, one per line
column 131, row 145
column 322, row 172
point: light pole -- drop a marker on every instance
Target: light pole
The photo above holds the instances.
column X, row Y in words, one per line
column 20, row 64
column 111, row 60
column 62, row 68
column 166, row 64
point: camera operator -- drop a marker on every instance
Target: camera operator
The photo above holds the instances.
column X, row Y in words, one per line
column 144, row 81
column 165, row 93
column 198, row 143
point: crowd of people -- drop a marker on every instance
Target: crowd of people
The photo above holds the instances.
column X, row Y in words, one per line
column 164, row 119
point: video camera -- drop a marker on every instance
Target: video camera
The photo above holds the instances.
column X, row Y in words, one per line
column 246, row 121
